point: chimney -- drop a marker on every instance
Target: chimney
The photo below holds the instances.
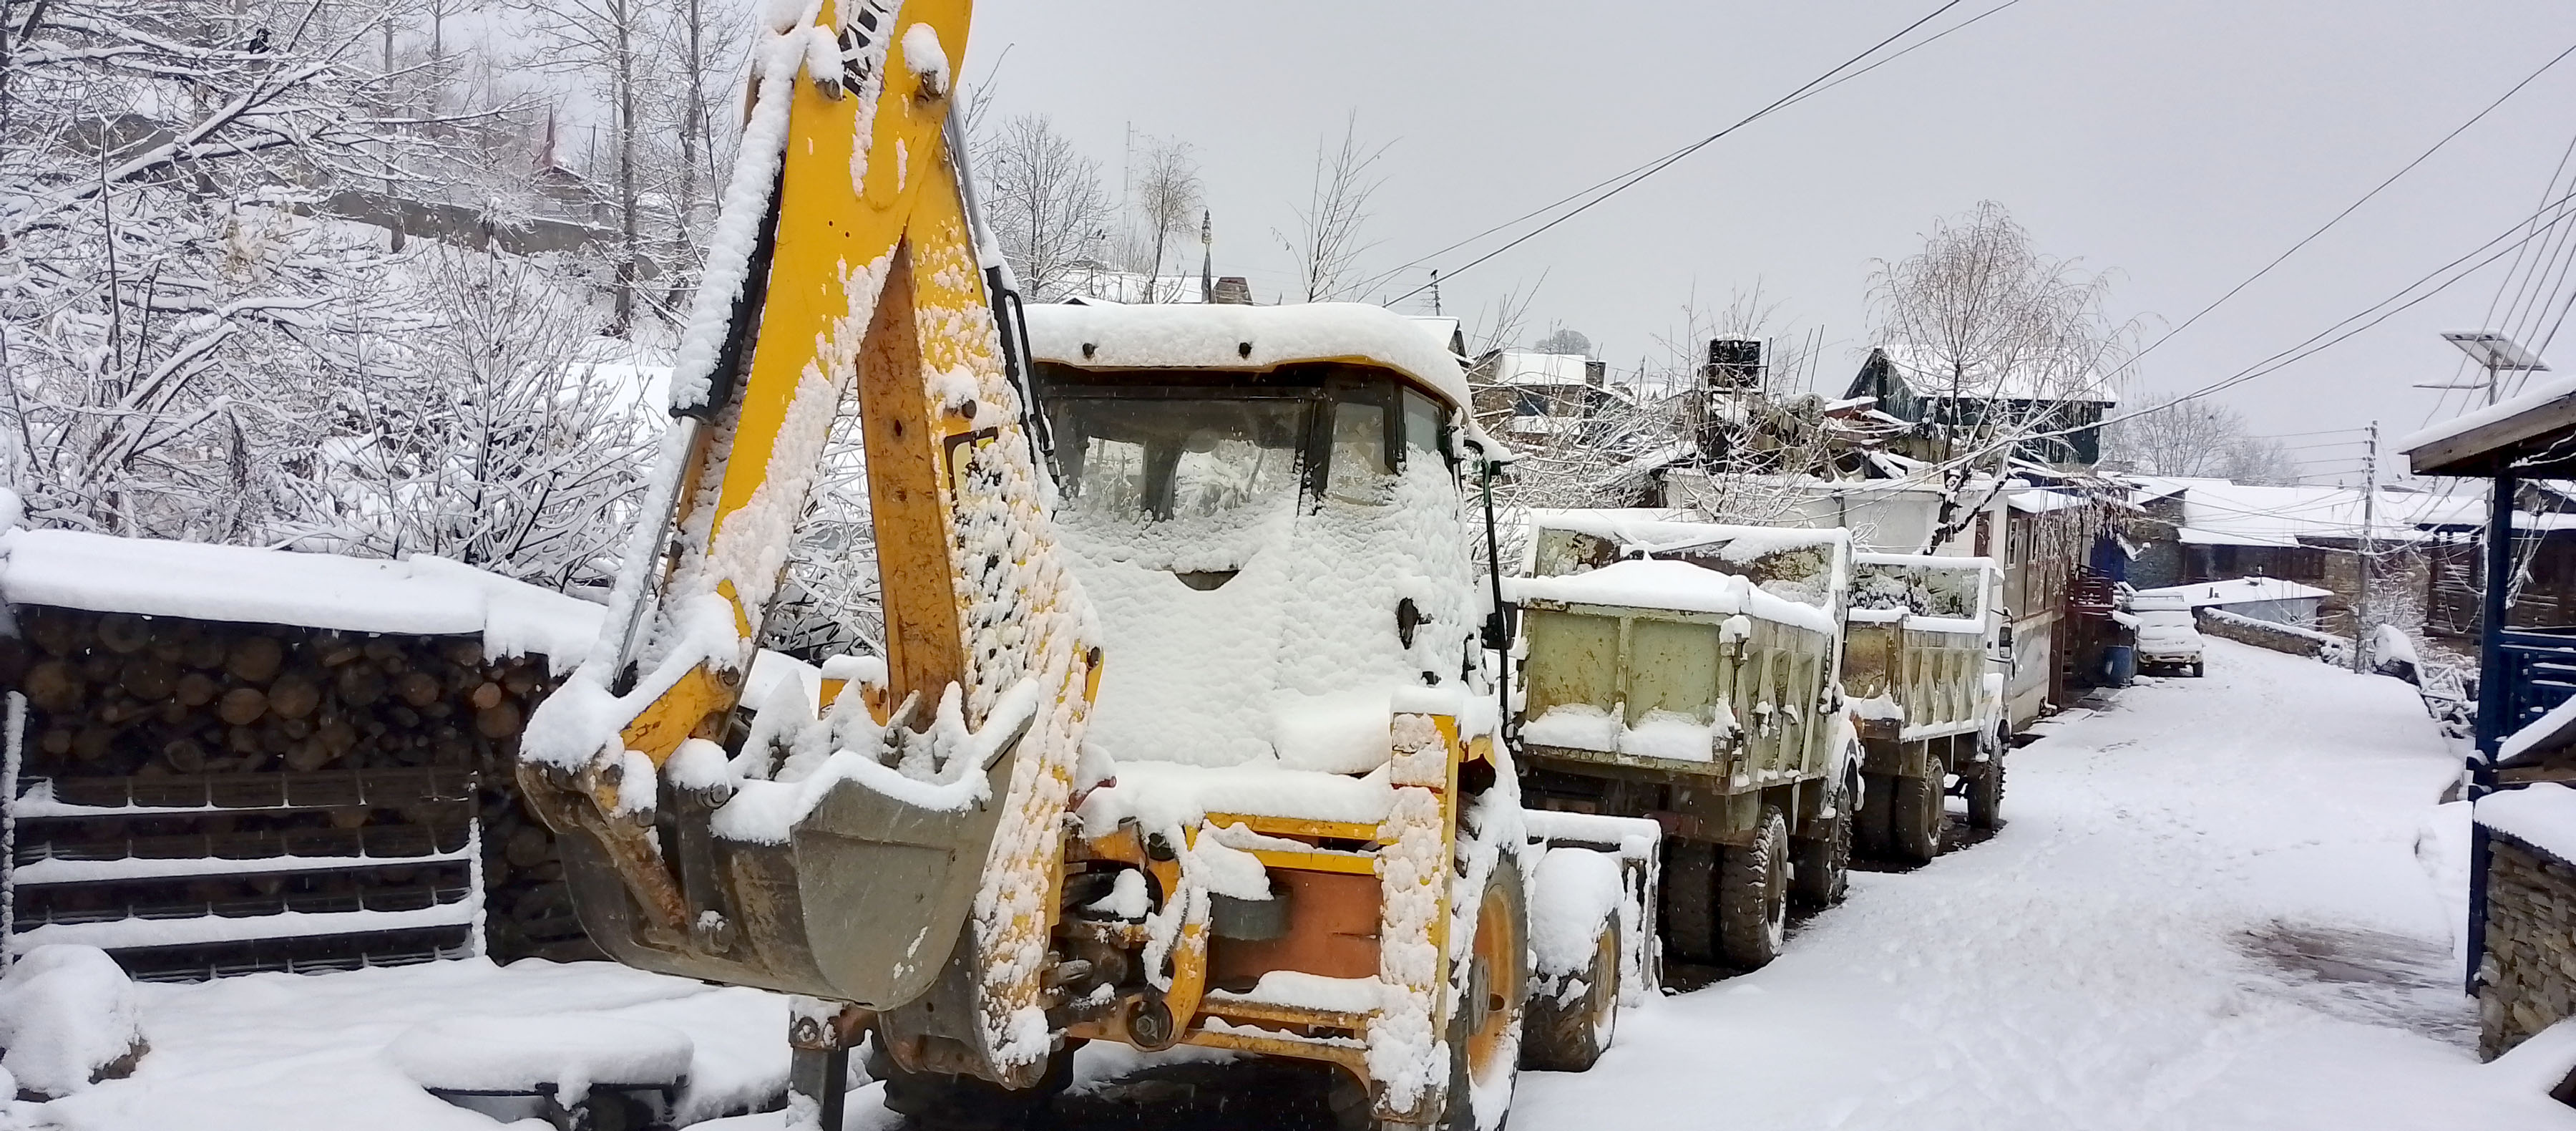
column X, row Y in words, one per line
column 1734, row 364
column 1233, row 290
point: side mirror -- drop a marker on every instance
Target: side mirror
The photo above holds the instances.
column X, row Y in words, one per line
column 2004, row 638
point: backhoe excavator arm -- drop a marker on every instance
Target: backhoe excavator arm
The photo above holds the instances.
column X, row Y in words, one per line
column 909, row 851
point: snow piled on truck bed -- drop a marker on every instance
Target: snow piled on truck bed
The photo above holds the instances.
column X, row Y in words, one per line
column 420, row 595
column 1663, row 584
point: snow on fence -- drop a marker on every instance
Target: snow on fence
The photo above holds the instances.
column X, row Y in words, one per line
column 237, row 759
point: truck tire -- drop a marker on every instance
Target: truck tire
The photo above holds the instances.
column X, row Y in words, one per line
column 1753, row 895
column 1484, row 1043
column 1568, row 1036
column 1986, row 794
column 1687, row 906
column 1823, row 872
column 938, row 1101
column 2195, row 669
column 1871, row 837
column 1914, row 816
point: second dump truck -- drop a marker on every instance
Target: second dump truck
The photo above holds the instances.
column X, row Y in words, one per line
column 1690, row 673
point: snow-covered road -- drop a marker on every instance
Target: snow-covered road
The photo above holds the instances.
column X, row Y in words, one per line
column 2206, row 910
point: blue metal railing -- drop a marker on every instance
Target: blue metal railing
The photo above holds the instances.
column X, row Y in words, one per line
column 2539, row 673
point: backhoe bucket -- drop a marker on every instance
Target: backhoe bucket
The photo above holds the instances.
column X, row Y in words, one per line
column 863, row 903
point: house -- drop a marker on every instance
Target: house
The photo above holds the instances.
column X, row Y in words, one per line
column 2191, row 530
column 1947, row 402
column 1538, row 398
column 2545, row 543
column 2273, row 599
column 2521, row 961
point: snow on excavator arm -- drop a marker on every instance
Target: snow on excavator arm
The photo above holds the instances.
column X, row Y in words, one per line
column 872, row 856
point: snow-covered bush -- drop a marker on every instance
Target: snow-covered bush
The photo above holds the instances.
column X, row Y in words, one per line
column 69, row 1018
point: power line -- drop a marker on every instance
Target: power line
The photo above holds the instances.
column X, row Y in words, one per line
column 1793, row 99
column 1628, row 181
column 2349, row 209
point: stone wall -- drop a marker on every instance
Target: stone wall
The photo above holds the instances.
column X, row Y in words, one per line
column 2265, row 634
column 2528, row 978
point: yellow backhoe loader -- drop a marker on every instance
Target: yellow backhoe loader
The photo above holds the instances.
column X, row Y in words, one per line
column 1185, row 728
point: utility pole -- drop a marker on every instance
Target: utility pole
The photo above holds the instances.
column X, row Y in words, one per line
column 1435, row 292
column 2361, row 628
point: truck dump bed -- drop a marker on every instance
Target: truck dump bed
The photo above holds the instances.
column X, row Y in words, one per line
column 1915, row 643
column 1710, row 656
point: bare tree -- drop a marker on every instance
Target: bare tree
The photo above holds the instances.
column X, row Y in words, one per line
column 1330, row 229
column 2006, row 338
column 1046, row 202
column 605, row 41
column 1168, row 197
column 2174, row 436
column 489, row 438
column 1564, row 339
column 171, row 317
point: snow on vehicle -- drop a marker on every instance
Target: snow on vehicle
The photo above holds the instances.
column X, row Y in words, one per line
column 2168, row 634
column 1184, row 733
column 1916, row 643
column 1689, row 673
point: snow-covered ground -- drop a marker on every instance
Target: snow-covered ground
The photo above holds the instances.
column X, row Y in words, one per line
column 2208, row 909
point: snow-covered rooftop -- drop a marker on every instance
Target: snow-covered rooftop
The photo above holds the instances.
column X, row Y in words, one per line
column 2534, row 397
column 422, row 595
column 1243, row 337
column 1930, row 373
column 2240, row 591
column 1543, row 370
column 2221, row 513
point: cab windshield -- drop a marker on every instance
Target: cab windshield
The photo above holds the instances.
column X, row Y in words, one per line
column 1158, row 446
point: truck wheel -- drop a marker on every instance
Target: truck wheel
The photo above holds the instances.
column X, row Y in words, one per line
column 1986, row 794
column 939, row 1101
column 2195, row 669
column 1872, row 836
column 1686, row 906
column 1485, row 1036
column 1568, row 1036
column 1915, row 817
column 1823, row 873
column 1753, row 894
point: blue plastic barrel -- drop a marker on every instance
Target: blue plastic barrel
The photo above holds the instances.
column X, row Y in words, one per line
column 2119, row 664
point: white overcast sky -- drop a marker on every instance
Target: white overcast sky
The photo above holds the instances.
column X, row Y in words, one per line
column 2181, row 144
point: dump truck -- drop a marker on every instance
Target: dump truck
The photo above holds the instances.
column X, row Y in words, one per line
column 1184, row 725
column 1919, row 648
column 1690, row 674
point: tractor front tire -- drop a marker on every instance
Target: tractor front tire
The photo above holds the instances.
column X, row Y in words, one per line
column 1562, row 1035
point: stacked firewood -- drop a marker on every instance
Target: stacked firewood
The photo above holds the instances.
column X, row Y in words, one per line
column 128, row 695
column 120, row 702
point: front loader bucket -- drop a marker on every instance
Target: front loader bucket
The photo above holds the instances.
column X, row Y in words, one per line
column 863, row 903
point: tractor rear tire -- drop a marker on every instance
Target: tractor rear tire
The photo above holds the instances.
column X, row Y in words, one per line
column 1915, row 815
column 939, row 1101
column 1569, row 1036
column 1753, row 895
column 1823, row 872
column 1688, row 909
column 1986, row 794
